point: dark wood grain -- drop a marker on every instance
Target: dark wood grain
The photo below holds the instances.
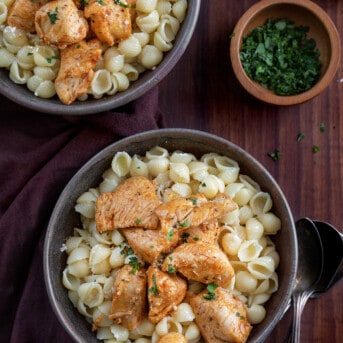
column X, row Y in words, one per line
column 202, row 93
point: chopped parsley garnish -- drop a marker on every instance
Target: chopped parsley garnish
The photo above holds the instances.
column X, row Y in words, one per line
column 84, row 3
column 184, row 237
column 203, row 184
column 154, row 289
column 315, row 149
column 171, row 268
column 186, row 223
column 51, row 58
column 301, row 136
column 211, row 287
column 29, row 53
column 138, row 221
column 196, row 238
column 53, row 15
column 134, row 263
column 275, row 155
column 126, row 251
column 240, row 316
column 170, row 234
column 123, row 4
column 101, row 2
column 322, row 127
column 279, row 56
column 193, row 200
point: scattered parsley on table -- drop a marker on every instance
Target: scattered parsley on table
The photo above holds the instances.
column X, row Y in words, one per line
column 279, row 56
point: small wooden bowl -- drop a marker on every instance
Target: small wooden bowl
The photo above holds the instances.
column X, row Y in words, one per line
column 301, row 12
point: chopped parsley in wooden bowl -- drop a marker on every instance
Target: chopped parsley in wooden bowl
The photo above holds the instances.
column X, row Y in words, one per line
column 285, row 52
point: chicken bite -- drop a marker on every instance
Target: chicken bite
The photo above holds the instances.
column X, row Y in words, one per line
column 110, row 22
column 131, row 204
column 22, row 14
column 149, row 245
column 76, row 70
column 221, row 319
column 201, row 262
column 60, row 23
column 192, row 211
column 129, row 297
column 165, row 291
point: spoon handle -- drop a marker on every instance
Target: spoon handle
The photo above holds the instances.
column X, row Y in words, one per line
column 299, row 302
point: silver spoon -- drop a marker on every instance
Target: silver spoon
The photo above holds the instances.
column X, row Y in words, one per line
column 310, row 267
column 332, row 242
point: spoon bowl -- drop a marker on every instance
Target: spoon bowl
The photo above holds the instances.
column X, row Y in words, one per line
column 310, row 268
column 332, row 243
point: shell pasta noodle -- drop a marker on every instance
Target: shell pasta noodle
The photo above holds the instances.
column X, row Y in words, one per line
column 144, row 32
column 95, row 258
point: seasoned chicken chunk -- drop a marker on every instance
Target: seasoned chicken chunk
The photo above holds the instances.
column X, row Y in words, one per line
column 60, row 23
column 131, row 204
column 192, row 211
column 76, row 70
column 173, row 337
column 129, row 297
column 22, row 14
column 149, row 245
column 221, row 319
column 201, row 262
column 165, row 291
column 205, row 232
column 110, row 22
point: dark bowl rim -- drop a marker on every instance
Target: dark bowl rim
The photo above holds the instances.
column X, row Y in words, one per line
column 256, row 89
column 147, row 80
column 174, row 133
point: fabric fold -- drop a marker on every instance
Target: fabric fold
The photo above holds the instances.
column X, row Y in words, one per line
column 39, row 154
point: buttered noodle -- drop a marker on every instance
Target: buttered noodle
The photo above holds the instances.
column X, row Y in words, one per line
column 93, row 258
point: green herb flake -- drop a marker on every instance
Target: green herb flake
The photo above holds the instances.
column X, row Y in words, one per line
column 138, row 221
column 53, row 15
column 275, row 155
column 184, row 237
column 322, row 127
column 196, row 238
column 203, row 184
column 126, row 251
column 211, row 287
column 300, row 136
column 279, row 56
column 240, row 316
column 315, row 149
column 171, row 268
column 134, row 263
column 193, row 200
column 186, row 223
column 51, row 58
column 29, row 53
column 170, row 234
column 154, row 289
column 123, row 4
column 101, row 2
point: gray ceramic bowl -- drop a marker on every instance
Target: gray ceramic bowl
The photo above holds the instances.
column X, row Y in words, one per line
column 64, row 218
column 21, row 95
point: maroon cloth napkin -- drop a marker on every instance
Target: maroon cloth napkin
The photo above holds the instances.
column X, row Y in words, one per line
column 39, row 153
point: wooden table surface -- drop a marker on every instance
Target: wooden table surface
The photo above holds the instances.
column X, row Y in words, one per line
column 205, row 95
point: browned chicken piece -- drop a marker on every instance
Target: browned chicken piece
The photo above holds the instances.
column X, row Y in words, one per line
column 173, row 337
column 165, row 291
column 76, row 69
column 110, row 22
column 131, row 204
column 61, row 23
column 129, row 297
column 221, row 319
column 22, row 14
column 192, row 211
column 201, row 262
column 205, row 232
column 149, row 245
